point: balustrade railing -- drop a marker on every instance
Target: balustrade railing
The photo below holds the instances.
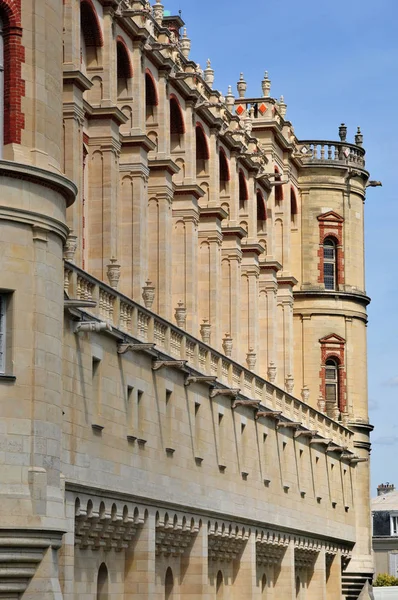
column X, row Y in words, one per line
column 132, row 319
column 325, row 152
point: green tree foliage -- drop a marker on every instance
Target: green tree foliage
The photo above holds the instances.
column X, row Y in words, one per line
column 384, row 580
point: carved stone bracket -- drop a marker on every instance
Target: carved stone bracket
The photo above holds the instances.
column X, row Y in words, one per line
column 93, row 326
column 288, row 425
column 106, row 526
column 233, row 392
column 311, row 433
column 200, row 379
column 174, row 534
column 147, row 348
column 272, row 414
column 270, row 547
column 321, row 441
column 356, row 459
column 249, row 403
column 226, row 541
column 335, row 448
column 174, row 364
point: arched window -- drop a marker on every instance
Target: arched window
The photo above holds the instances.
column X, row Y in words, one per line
column 91, row 36
column 202, row 150
column 224, row 171
column 332, row 383
column 298, row 587
column 151, row 97
column 278, row 188
column 329, row 263
column 168, row 584
column 293, row 207
column 261, row 213
column 243, row 193
column 102, row 583
column 177, row 125
column 124, row 70
column 264, row 586
column 220, row 586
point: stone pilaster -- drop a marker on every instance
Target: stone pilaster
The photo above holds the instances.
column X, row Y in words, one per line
column 317, row 578
column 284, row 587
column 139, row 575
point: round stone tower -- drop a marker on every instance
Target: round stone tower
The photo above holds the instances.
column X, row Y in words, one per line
column 34, row 198
column 330, row 309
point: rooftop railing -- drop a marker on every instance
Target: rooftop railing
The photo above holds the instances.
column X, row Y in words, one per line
column 129, row 319
column 324, row 153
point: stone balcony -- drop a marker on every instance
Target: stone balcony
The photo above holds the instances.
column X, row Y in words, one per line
column 328, row 153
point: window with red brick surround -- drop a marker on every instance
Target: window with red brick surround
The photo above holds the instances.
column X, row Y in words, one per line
column 14, row 56
column 333, row 348
column 331, row 226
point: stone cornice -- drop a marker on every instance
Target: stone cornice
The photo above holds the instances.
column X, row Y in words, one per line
column 48, row 179
column 165, row 164
column 76, row 78
column 142, row 141
column 236, row 232
column 189, row 190
column 105, row 112
column 354, row 296
column 215, row 212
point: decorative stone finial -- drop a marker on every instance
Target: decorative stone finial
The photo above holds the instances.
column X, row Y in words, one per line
column 230, row 99
column 343, row 132
column 113, row 272
column 227, row 345
column 158, row 12
column 321, row 404
column 241, row 86
column 305, row 393
column 181, row 315
column 205, row 331
column 282, row 107
column 271, row 373
column 289, row 384
column 251, row 359
column 249, row 120
column 148, row 294
column 70, row 247
column 185, row 44
column 336, row 413
column 266, row 85
column 209, row 74
column 359, row 137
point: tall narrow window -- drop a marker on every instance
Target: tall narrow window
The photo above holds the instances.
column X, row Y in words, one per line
column 102, row 583
column 168, row 585
column 124, row 71
column 224, row 171
column 202, row 150
column 1, row 88
column 278, row 188
column 177, row 126
column 329, row 264
column 261, row 214
column 91, row 36
column 151, row 97
column 293, row 207
column 2, row 334
column 394, row 525
column 243, row 193
column 331, row 382
column 220, row 586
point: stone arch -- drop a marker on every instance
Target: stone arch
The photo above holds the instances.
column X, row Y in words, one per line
column 169, row 584
column 103, row 583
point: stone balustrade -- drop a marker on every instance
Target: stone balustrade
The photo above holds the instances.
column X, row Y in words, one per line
column 130, row 319
column 323, row 152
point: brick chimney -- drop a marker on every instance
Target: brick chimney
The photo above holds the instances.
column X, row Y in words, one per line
column 385, row 488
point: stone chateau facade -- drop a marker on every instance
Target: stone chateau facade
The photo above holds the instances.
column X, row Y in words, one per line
column 182, row 325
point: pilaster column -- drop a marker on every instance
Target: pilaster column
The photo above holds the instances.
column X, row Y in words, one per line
column 103, row 179
column 138, row 106
column 139, row 576
column 189, row 145
column 195, row 583
column 133, row 231
column 333, row 577
column 245, row 579
column 214, row 170
column 163, row 119
column 316, row 589
column 73, row 160
column 284, row 588
column 72, row 34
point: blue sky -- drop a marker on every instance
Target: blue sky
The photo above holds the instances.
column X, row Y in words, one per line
column 334, row 61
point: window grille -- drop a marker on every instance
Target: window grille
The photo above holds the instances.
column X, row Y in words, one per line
column 2, row 333
column 329, row 264
column 331, row 381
